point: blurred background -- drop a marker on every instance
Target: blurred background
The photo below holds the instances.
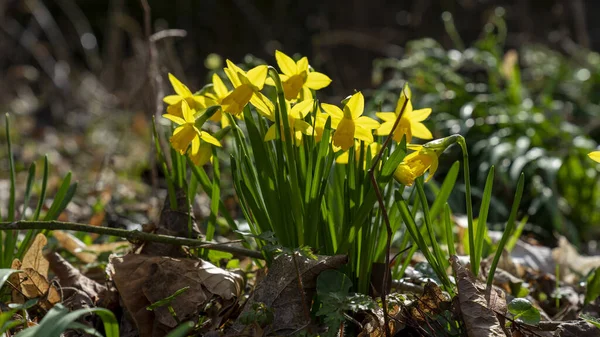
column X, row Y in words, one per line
column 520, row 79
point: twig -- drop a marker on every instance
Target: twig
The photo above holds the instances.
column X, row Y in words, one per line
column 134, row 235
column 388, row 227
column 167, row 33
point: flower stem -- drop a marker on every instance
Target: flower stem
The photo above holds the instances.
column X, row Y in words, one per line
column 463, row 146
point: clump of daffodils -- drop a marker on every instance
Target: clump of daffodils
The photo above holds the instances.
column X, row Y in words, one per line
column 352, row 129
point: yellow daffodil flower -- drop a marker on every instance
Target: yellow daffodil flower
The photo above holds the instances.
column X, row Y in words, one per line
column 349, row 123
column 416, row 164
column 595, row 156
column 216, row 98
column 410, row 122
column 319, row 124
column 247, row 89
column 183, row 93
column 371, row 149
column 187, row 132
column 203, row 154
column 296, row 79
column 298, row 126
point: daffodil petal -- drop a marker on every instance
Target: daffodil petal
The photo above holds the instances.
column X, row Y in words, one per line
column 355, row 105
column 595, row 156
column 205, row 136
column 172, row 99
column 332, row 110
column 419, row 130
column 302, row 65
column 188, row 114
column 343, row 158
column 234, row 67
column 384, row 129
column 419, row 115
column 317, row 81
column 218, row 86
column 387, row 116
column 271, row 133
column 182, row 136
column 203, row 155
column 301, row 109
column 179, row 87
column 303, row 127
column 263, row 105
column 195, row 144
column 235, row 102
column 233, row 77
column 433, row 167
column 367, row 122
column 285, row 63
column 173, row 118
column 344, row 134
column 306, row 93
column 363, row 134
column 258, row 75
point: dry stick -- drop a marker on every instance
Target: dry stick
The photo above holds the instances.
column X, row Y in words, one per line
column 388, row 227
column 134, row 235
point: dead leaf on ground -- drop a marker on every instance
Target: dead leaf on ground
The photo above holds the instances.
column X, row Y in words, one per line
column 71, row 277
column 142, row 280
column 74, row 246
column 34, row 257
column 33, row 282
column 572, row 264
column 477, row 312
column 576, row 329
column 280, row 290
column 430, row 304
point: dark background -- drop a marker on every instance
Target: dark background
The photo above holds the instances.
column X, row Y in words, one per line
column 341, row 38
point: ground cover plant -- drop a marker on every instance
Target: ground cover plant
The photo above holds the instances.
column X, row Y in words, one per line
column 349, row 217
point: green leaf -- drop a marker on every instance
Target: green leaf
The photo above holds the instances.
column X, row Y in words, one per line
column 524, row 311
column 167, row 300
column 592, row 290
column 215, row 256
column 444, row 193
column 58, row 199
column 5, row 274
column 482, row 220
column 331, row 282
column 40, row 204
column 11, row 167
column 591, row 319
column 59, row 319
column 510, row 224
column 182, row 330
column 27, row 196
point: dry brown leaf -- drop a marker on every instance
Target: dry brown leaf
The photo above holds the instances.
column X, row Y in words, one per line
column 477, row 312
column 71, row 277
column 571, row 262
column 74, row 246
column 430, row 304
column 36, row 285
column 280, row 290
column 142, row 280
column 34, row 258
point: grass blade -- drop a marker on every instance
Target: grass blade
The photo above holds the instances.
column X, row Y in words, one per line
column 507, row 231
column 27, row 196
column 482, row 220
column 40, row 204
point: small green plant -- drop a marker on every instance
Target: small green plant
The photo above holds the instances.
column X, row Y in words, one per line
column 11, row 248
